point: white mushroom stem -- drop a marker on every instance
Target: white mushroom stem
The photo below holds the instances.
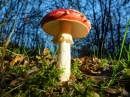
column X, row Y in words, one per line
column 64, row 40
column 64, row 60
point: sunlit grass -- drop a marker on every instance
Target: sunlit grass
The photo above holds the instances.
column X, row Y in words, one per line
column 44, row 80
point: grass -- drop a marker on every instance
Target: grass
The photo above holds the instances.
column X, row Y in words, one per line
column 37, row 76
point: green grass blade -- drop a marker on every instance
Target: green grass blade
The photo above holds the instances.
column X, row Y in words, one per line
column 124, row 38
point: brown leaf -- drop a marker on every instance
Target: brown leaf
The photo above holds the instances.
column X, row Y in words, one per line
column 46, row 51
column 14, row 82
column 25, row 63
column 84, row 60
column 96, row 60
column 83, row 69
column 72, row 78
column 6, row 66
column 113, row 91
column 32, row 63
column 39, row 57
column 18, row 58
column 76, row 59
column 33, row 70
column 88, row 71
column 49, row 59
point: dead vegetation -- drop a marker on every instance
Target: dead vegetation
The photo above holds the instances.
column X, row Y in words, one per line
column 26, row 75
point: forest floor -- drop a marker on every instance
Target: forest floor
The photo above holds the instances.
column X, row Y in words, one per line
column 30, row 75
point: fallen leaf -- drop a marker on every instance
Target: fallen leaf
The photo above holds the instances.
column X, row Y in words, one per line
column 32, row 63
column 46, row 51
column 49, row 59
column 124, row 93
column 14, row 82
column 18, row 58
column 76, row 60
column 72, row 78
column 84, row 60
column 39, row 57
column 96, row 60
column 89, row 71
column 33, row 70
column 113, row 91
column 26, row 62
column 6, row 66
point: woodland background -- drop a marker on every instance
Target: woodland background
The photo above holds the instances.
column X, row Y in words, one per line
column 108, row 19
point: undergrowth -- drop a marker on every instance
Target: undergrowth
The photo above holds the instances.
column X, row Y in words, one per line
column 41, row 79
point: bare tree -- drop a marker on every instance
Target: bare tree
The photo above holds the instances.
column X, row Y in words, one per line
column 108, row 19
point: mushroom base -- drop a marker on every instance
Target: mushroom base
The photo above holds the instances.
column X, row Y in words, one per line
column 64, row 61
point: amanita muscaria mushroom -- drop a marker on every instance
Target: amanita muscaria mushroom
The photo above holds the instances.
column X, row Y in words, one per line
column 65, row 25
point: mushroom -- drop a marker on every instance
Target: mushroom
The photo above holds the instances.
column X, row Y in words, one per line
column 65, row 25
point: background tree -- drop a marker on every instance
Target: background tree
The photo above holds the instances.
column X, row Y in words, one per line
column 108, row 19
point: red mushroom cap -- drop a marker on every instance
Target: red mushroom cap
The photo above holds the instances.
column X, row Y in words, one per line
column 80, row 24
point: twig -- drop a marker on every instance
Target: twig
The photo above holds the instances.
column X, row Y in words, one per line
column 5, row 95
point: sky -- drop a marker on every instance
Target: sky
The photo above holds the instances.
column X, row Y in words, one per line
column 49, row 5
